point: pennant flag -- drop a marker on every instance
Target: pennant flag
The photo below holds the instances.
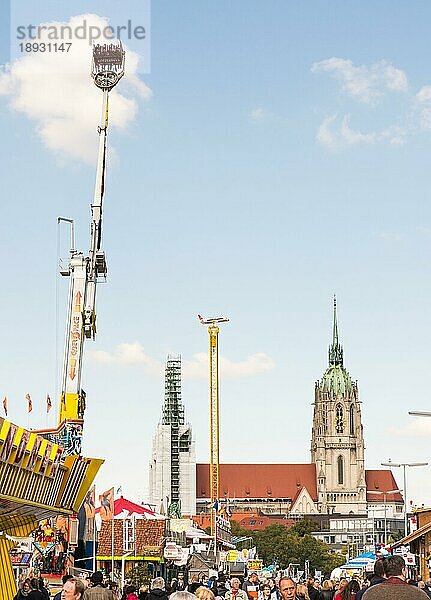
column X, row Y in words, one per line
column 90, row 503
column 107, row 505
column 5, row 405
column 48, row 403
column 29, row 402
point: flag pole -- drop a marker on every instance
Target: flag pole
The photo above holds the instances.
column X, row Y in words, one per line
column 94, row 543
column 112, row 547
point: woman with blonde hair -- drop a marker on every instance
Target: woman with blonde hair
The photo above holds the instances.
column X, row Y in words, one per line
column 204, row 593
column 302, row 591
column 327, row 591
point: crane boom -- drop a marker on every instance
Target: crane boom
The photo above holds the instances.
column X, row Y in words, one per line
column 85, row 271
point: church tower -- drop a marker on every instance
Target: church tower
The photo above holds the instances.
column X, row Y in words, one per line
column 173, row 460
column 337, row 443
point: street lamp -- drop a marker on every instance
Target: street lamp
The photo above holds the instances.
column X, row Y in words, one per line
column 404, row 465
column 384, row 494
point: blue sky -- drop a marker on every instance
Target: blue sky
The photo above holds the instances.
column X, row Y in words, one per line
column 279, row 154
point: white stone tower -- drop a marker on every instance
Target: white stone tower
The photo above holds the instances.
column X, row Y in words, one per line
column 173, row 460
column 337, row 443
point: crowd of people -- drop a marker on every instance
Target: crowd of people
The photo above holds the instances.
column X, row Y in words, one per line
column 387, row 582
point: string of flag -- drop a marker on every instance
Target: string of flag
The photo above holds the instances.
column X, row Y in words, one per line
column 29, row 404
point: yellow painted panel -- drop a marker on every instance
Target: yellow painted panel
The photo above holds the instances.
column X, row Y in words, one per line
column 92, row 469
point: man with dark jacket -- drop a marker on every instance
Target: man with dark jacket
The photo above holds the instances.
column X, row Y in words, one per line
column 158, row 591
column 98, row 591
column 378, row 577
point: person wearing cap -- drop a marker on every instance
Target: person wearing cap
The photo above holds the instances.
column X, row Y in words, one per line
column 98, row 591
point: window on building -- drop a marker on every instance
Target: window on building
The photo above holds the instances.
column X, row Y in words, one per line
column 339, row 419
column 352, row 419
column 340, row 469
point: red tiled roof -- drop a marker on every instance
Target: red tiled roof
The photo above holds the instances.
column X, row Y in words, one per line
column 259, row 481
column 381, row 480
column 256, row 523
column 284, row 481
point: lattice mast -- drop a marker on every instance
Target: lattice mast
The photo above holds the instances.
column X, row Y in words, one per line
column 86, row 271
column 213, row 332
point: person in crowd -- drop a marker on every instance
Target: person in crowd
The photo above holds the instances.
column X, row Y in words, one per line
column 23, row 591
column 350, row 590
column 341, row 585
column 221, row 586
column 158, row 590
column 180, row 584
column 143, row 591
column 327, row 591
column 35, row 593
column 212, row 584
column 73, row 589
column 42, row 589
column 377, row 577
column 184, row 595
column 130, row 592
column 204, row 593
column 265, row 592
column 235, row 593
column 63, row 580
column 98, row 591
column 251, row 586
column 395, row 587
column 312, row 591
column 427, row 588
column 194, row 583
column 287, row 588
column 302, row 591
column 274, row 590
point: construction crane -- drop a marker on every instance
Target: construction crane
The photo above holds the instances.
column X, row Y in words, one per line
column 85, row 271
column 213, row 331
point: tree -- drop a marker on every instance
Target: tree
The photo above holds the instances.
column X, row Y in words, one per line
column 304, row 526
column 139, row 575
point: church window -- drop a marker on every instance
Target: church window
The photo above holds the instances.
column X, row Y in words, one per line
column 339, row 419
column 352, row 419
column 340, row 469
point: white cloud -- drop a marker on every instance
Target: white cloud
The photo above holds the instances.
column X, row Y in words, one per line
column 423, row 106
column 364, row 83
column 129, row 354
column 258, row 114
column 390, row 236
column 61, row 98
column 416, row 427
column 334, row 135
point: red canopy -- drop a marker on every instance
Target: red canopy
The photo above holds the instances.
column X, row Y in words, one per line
column 126, row 507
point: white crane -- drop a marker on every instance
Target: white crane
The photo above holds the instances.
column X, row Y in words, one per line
column 86, row 271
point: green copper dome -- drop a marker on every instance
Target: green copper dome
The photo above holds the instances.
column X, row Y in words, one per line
column 336, row 380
